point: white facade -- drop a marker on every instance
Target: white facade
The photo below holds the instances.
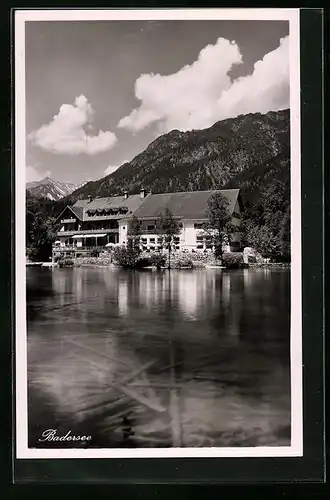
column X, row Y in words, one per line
column 123, row 227
column 191, row 238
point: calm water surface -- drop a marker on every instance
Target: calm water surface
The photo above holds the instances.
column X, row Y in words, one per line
column 158, row 358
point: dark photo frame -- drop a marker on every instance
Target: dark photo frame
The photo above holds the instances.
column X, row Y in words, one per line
column 310, row 467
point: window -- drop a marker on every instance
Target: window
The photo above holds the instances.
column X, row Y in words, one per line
column 124, row 228
column 198, row 225
column 150, row 227
column 199, row 239
column 200, row 247
column 176, row 239
column 152, row 240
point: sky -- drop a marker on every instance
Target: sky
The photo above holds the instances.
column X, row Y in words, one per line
column 98, row 92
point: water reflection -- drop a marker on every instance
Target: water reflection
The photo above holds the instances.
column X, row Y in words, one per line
column 180, row 358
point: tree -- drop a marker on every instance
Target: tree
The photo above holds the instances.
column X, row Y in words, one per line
column 219, row 223
column 134, row 235
column 40, row 229
column 266, row 225
column 167, row 226
column 285, row 235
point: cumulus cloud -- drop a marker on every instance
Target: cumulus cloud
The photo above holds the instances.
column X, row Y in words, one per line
column 202, row 93
column 67, row 132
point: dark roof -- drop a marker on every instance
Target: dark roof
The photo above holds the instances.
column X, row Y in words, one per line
column 78, row 211
column 186, row 205
column 131, row 203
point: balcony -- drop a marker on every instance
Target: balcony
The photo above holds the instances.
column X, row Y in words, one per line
column 68, row 221
column 87, row 231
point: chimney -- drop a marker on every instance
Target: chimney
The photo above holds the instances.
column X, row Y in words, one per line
column 142, row 193
column 125, row 195
column 90, row 198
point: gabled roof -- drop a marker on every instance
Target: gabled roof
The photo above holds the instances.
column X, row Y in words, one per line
column 79, row 211
column 186, row 205
column 76, row 211
column 131, row 204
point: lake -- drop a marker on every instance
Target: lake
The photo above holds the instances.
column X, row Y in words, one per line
column 160, row 358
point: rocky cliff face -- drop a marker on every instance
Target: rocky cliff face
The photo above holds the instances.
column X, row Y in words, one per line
column 245, row 151
column 50, row 189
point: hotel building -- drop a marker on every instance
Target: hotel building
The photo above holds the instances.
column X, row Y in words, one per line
column 97, row 223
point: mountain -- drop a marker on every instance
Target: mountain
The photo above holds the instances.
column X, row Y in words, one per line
column 247, row 151
column 50, row 189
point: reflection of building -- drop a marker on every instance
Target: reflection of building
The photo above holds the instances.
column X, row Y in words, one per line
column 99, row 222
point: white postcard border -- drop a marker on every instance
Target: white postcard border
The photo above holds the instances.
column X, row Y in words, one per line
column 22, row 16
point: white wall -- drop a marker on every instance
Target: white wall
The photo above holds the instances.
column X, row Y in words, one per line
column 188, row 234
column 122, row 231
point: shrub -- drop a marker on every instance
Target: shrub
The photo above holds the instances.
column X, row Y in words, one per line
column 233, row 260
column 58, row 257
column 125, row 257
column 94, row 252
column 65, row 263
column 158, row 260
column 182, row 262
column 252, row 259
column 130, row 258
column 143, row 262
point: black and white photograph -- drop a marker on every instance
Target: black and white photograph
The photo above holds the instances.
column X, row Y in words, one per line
column 157, row 183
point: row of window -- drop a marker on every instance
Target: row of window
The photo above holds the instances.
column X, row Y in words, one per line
column 152, row 227
column 106, row 211
column 157, row 248
column 159, row 240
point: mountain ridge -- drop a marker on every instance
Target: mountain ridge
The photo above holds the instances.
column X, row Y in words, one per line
column 50, row 189
column 218, row 157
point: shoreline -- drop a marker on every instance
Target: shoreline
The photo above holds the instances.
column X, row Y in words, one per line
column 268, row 265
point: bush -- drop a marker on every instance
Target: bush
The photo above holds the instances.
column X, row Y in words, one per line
column 58, row 257
column 143, row 262
column 130, row 258
column 94, row 252
column 125, row 257
column 233, row 260
column 158, row 260
column 182, row 262
column 65, row 263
